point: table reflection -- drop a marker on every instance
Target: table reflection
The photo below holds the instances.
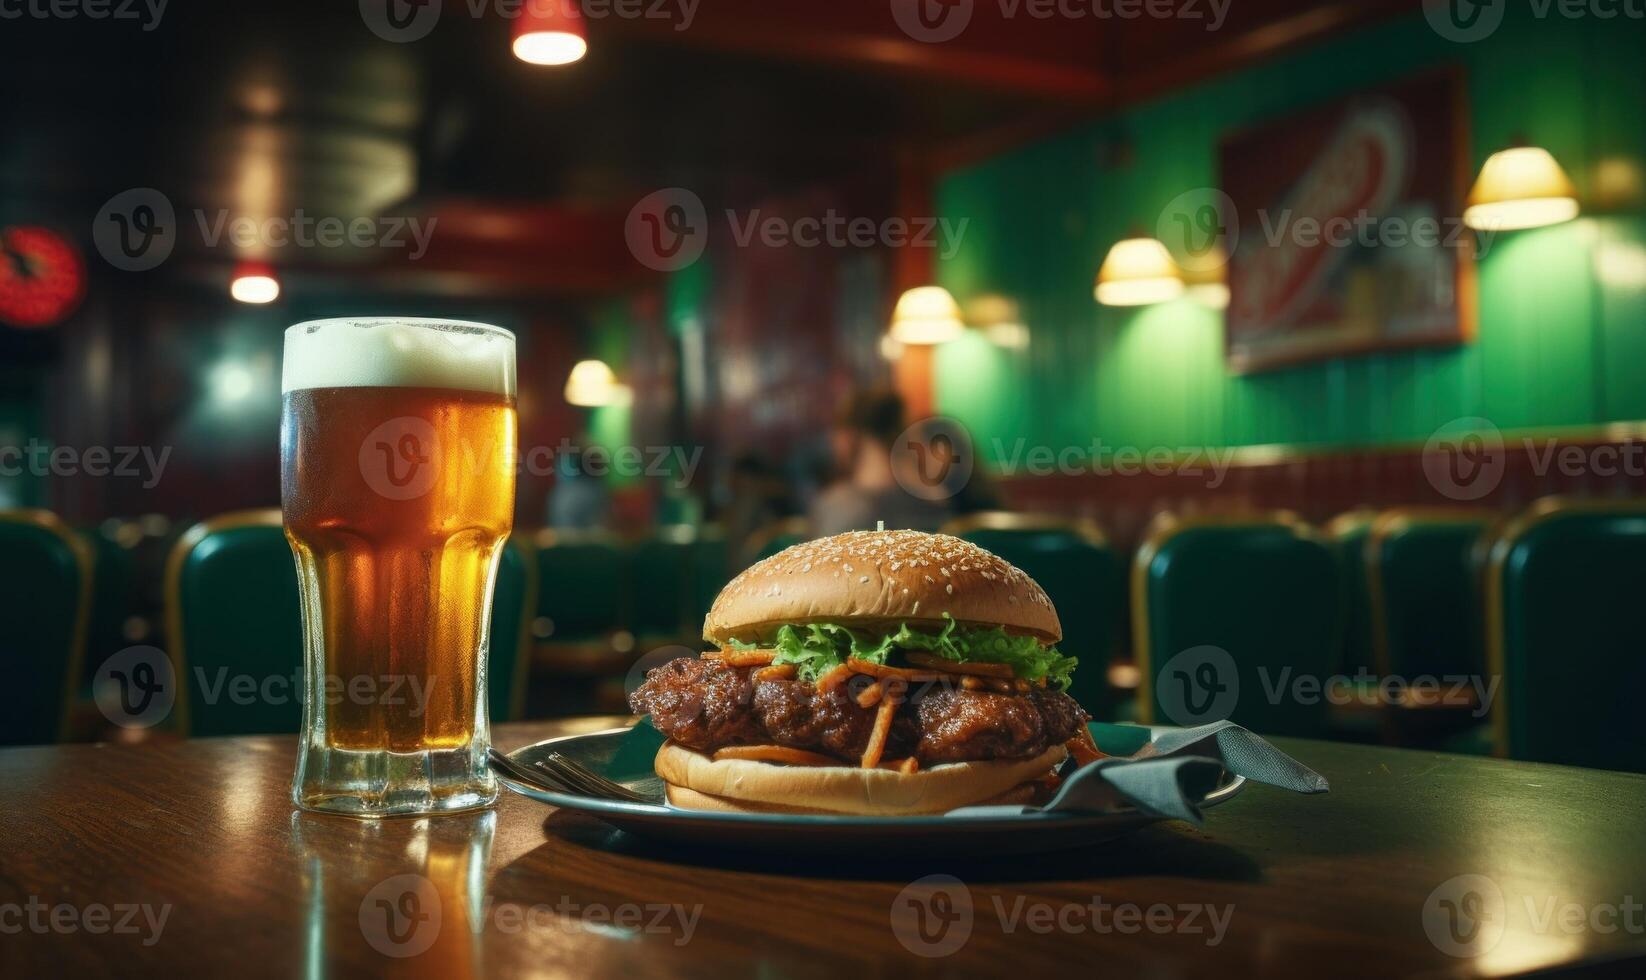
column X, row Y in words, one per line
column 400, row 888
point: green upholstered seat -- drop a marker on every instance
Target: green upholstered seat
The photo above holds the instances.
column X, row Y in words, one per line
column 45, row 603
column 711, row 570
column 1563, row 599
column 580, row 586
column 774, row 537
column 1347, row 534
column 233, row 612
column 1082, row 576
column 514, row 603
column 659, row 587
column 1425, row 600
column 1229, row 614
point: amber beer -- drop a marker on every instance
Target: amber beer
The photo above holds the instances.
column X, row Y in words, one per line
column 397, row 483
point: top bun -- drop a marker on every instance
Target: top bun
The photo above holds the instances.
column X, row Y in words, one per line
column 881, row 578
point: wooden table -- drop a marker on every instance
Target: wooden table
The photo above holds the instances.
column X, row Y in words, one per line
column 194, row 849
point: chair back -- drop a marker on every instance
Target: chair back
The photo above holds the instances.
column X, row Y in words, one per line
column 774, row 537
column 233, row 612
column 1562, row 588
column 1346, row 533
column 45, row 603
column 1081, row 574
column 1234, row 617
column 580, row 585
column 1423, row 595
column 659, row 579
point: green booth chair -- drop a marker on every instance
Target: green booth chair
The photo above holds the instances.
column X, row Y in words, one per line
column 581, row 634
column 1563, row 591
column 45, row 601
column 1072, row 561
column 659, row 577
column 774, row 537
column 232, row 611
column 1424, row 602
column 711, row 570
column 1346, row 533
column 1236, row 616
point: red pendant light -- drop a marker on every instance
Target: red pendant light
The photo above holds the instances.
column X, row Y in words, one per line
column 550, row 32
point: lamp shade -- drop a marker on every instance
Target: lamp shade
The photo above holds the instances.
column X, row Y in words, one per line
column 1137, row 272
column 550, row 32
column 1522, row 187
column 592, row 384
column 254, row 282
column 926, row 315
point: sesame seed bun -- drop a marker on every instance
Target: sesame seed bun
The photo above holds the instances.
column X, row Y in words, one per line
column 697, row 782
column 881, row 578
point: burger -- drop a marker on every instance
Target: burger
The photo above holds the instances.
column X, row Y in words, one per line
column 869, row 673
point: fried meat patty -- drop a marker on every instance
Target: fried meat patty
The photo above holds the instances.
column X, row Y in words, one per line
column 705, row 705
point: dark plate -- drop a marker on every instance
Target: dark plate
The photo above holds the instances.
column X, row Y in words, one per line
column 625, row 755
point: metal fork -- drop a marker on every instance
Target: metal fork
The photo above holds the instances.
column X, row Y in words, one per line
column 520, row 774
column 585, row 780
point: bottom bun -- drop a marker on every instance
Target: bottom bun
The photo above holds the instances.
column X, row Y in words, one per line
column 698, row 782
column 691, row 799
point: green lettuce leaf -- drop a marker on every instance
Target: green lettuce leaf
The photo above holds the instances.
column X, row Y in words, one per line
column 817, row 648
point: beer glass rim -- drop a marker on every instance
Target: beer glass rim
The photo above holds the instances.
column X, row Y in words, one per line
column 421, row 322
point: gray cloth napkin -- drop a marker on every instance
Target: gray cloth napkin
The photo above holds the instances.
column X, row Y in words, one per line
column 1169, row 776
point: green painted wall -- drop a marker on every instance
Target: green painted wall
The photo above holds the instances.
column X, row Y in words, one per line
column 1559, row 343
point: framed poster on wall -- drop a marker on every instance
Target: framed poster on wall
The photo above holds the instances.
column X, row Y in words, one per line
column 1347, row 227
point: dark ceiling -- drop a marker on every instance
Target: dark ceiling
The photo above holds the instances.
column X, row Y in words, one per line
column 271, row 107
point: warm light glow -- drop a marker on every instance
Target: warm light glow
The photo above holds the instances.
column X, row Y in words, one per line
column 231, row 382
column 550, row 32
column 1522, row 187
column 926, row 315
column 1000, row 321
column 1008, row 334
column 255, row 287
column 592, row 385
column 1212, row 295
column 1137, row 272
column 890, row 347
column 550, row 48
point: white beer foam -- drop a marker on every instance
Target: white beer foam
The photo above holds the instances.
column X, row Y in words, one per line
column 399, row 352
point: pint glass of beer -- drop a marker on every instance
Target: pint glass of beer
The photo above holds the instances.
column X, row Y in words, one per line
column 397, row 452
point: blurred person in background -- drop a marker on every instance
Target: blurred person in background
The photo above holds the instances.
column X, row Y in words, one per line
column 867, row 490
column 756, row 496
column 579, row 500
